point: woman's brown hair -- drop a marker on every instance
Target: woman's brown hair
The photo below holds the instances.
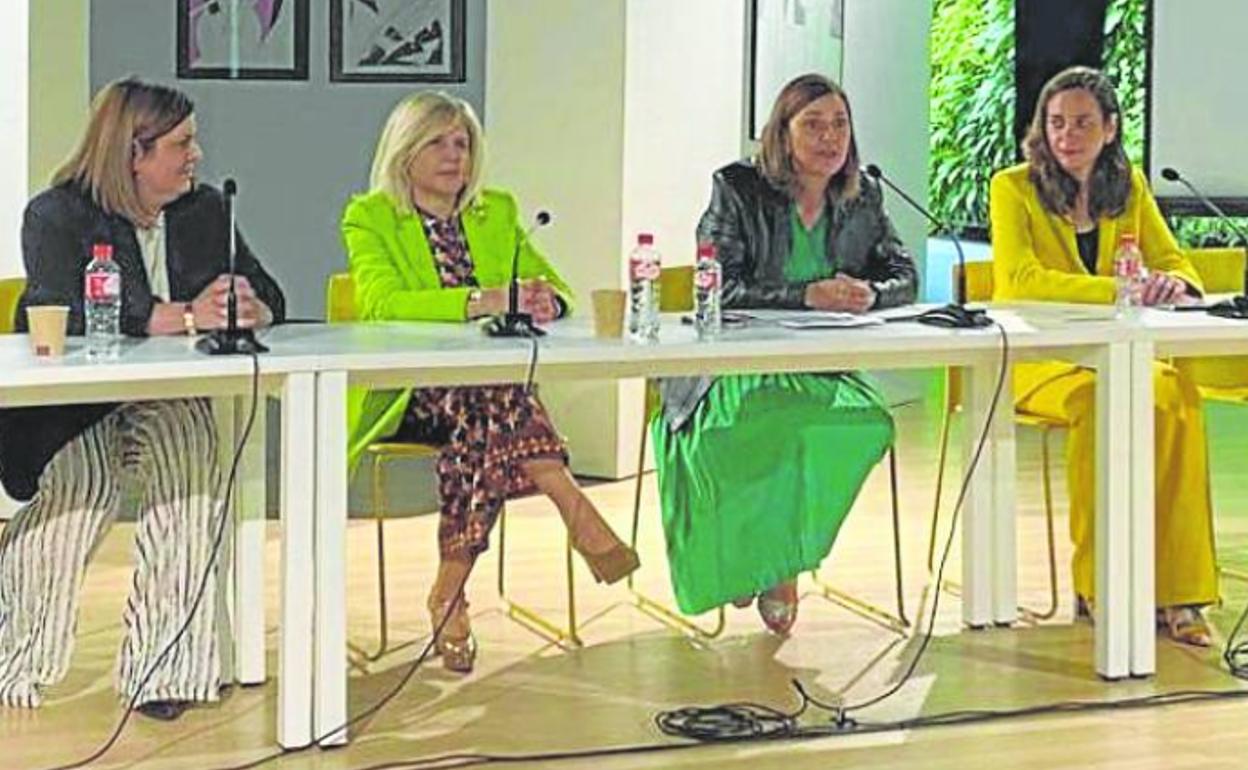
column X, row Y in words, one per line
column 775, row 159
column 127, row 116
column 1109, row 186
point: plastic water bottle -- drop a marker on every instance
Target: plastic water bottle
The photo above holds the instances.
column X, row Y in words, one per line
column 1128, row 273
column 102, row 303
column 644, row 267
column 708, row 284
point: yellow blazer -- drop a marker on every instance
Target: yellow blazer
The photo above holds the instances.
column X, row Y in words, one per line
column 1035, row 257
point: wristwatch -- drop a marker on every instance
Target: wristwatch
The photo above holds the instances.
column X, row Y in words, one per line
column 188, row 319
column 474, row 297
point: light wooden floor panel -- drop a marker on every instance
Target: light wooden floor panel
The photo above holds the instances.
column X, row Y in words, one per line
column 528, row 697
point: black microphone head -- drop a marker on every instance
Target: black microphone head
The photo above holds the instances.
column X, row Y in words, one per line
column 1169, row 174
column 873, row 171
column 542, row 218
column 229, row 187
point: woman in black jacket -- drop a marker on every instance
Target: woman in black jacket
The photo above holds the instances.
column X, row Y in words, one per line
column 130, row 184
column 757, row 472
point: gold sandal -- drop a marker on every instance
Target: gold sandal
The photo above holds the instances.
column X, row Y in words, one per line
column 455, row 643
column 1185, row 625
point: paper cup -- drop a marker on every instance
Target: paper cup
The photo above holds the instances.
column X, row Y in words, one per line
column 47, row 329
column 609, row 312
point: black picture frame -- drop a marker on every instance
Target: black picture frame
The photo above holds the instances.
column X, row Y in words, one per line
column 298, row 28
column 452, row 70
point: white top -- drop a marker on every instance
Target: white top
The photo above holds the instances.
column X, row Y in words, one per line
column 152, row 245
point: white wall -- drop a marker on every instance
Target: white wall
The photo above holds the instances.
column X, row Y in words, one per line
column 1199, row 96
column 683, row 115
column 888, row 76
column 14, row 137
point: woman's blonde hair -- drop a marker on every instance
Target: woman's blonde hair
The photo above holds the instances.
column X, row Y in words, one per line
column 415, row 122
column 127, row 116
column 775, row 158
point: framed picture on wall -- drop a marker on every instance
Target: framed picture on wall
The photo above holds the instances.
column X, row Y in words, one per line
column 243, row 39
column 790, row 38
column 396, row 41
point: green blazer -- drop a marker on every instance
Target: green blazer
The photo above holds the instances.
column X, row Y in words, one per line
column 395, row 280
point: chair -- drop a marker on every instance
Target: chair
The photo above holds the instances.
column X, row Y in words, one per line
column 10, row 292
column 676, row 295
column 979, row 289
column 340, row 307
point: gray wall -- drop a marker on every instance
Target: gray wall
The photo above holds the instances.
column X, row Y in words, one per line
column 297, row 149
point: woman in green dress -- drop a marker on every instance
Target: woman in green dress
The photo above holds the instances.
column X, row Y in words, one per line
column 757, row 472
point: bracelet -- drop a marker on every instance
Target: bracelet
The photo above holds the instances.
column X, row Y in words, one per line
column 188, row 320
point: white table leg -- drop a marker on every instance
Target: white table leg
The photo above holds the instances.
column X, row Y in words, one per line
column 988, row 530
column 331, row 557
column 1143, row 637
column 1114, row 471
column 249, row 541
column 298, row 499
column 226, row 611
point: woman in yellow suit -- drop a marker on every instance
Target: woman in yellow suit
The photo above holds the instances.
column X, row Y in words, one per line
column 1056, row 221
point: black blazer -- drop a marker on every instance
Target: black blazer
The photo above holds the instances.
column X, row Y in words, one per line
column 60, row 226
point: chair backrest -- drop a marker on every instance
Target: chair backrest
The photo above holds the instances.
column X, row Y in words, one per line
column 676, row 289
column 1220, row 270
column 340, row 298
column 978, row 281
column 10, row 292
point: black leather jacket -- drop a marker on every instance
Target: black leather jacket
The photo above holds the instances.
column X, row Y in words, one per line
column 749, row 221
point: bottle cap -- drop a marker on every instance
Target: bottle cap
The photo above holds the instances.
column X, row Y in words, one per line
column 645, row 239
column 706, row 251
column 102, row 251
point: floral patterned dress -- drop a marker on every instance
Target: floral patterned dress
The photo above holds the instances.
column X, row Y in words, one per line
column 486, row 432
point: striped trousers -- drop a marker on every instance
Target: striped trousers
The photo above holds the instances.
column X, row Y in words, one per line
column 168, row 451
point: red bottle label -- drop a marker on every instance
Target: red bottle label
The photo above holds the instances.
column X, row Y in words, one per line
column 102, row 287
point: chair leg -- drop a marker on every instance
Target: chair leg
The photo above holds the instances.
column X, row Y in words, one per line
column 940, row 482
column 380, row 507
column 1046, row 470
column 898, row 623
column 657, row 610
column 564, row 637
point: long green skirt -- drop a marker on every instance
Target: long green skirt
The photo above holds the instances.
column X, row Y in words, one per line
column 755, row 485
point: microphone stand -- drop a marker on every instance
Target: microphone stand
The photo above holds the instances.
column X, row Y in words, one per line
column 955, row 315
column 1236, row 307
column 230, row 341
column 513, row 323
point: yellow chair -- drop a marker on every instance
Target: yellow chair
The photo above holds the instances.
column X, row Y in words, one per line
column 979, row 289
column 1219, row 378
column 676, row 296
column 10, row 292
column 340, row 308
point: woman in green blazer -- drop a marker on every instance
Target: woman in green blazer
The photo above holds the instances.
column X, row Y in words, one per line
column 427, row 244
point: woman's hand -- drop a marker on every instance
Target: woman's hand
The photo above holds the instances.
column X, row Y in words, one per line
column 842, row 293
column 538, row 299
column 490, row 302
column 211, row 307
column 1163, row 289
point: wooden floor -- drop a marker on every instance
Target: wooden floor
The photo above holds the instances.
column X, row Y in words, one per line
column 529, row 697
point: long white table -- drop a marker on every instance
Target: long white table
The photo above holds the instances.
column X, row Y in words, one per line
column 311, row 367
column 407, row 355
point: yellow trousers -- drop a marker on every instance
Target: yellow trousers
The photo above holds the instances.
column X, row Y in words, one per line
column 1186, row 568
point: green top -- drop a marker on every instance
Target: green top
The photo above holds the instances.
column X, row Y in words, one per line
column 808, row 259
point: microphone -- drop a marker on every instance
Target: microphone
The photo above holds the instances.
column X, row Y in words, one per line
column 230, row 341
column 955, row 315
column 1236, row 307
column 514, row 323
